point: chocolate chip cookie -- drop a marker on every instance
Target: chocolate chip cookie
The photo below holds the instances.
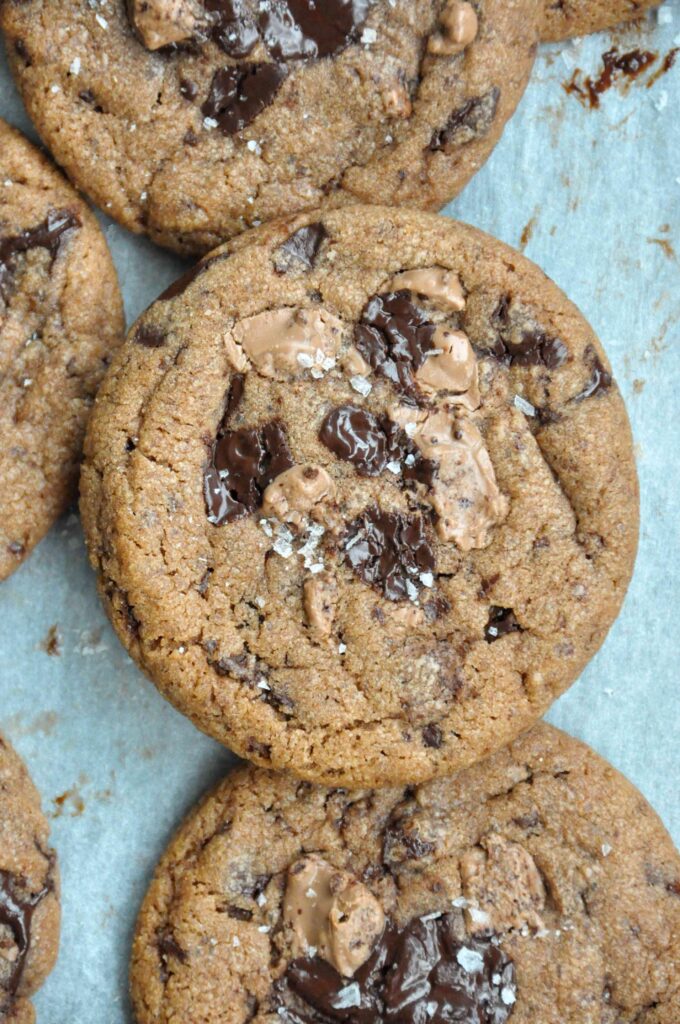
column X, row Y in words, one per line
column 360, row 494
column 537, row 887
column 60, row 318
column 564, row 18
column 191, row 120
column 29, row 892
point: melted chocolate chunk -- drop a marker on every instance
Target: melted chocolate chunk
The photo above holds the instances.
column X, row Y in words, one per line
column 239, row 93
column 501, row 622
column 231, row 27
column 526, row 346
column 469, row 122
column 389, row 551
column 355, row 436
column 600, row 379
column 394, row 337
column 16, row 914
column 244, row 462
column 421, row 974
column 48, row 235
column 303, row 246
column 307, row 29
column 150, row 336
column 370, row 443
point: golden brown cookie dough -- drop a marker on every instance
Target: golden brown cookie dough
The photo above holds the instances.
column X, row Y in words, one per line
column 29, row 892
column 541, row 861
column 328, row 565
column 564, row 18
column 191, row 120
column 61, row 316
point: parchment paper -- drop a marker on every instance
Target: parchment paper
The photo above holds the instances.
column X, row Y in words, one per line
column 593, row 196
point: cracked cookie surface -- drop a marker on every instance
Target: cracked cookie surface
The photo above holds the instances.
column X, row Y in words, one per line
column 29, row 892
column 564, row 18
column 60, row 318
column 542, row 858
column 360, row 495
column 221, row 114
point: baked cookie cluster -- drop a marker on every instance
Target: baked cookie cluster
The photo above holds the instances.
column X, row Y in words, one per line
column 360, row 495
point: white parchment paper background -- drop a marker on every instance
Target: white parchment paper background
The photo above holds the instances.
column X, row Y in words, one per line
column 593, row 196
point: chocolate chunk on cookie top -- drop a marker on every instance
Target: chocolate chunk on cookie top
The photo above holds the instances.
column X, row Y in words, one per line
column 60, row 319
column 29, row 892
column 360, row 495
column 537, row 887
column 223, row 114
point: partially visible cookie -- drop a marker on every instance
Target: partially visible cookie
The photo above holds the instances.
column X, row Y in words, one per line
column 564, row 18
column 537, row 887
column 29, row 892
column 61, row 316
column 361, row 496
column 222, row 114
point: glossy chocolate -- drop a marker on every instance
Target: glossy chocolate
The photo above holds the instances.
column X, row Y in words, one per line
column 355, row 436
column 501, row 622
column 244, row 462
column 389, row 551
column 394, row 337
column 243, row 466
column 239, row 93
column 16, row 914
column 48, row 235
column 370, row 443
column 421, row 974
column 289, row 29
column 308, row 29
column 600, row 378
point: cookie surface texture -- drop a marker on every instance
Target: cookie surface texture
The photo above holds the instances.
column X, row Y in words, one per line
column 29, row 892
column 537, row 887
column 60, row 319
column 360, row 494
column 226, row 113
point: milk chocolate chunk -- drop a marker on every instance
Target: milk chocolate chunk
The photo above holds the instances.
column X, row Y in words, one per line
column 502, row 885
column 281, row 342
column 331, row 913
column 297, row 493
column 48, row 235
column 390, row 551
column 295, row 29
column 244, row 462
column 458, row 28
column 239, row 93
column 417, row 974
column 394, row 337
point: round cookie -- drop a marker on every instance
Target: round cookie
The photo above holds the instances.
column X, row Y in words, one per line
column 60, row 318
column 361, row 496
column 537, row 887
column 222, row 114
column 564, row 18
column 29, row 892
